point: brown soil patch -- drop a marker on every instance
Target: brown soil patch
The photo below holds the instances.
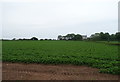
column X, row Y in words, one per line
column 20, row 71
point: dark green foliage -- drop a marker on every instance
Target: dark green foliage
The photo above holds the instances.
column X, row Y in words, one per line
column 98, row 55
column 34, row 38
column 112, row 37
column 70, row 37
column 77, row 37
column 117, row 35
column 112, row 70
column 105, row 37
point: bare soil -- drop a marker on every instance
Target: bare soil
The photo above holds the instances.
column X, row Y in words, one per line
column 20, row 71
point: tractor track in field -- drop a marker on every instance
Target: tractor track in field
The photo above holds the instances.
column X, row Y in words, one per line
column 21, row 71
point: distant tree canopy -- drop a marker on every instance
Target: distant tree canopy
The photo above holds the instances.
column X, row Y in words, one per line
column 117, row 36
column 14, row 39
column 77, row 37
column 105, row 36
column 34, row 38
column 70, row 37
column 94, row 37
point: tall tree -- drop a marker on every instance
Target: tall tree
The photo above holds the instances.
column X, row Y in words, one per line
column 102, row 36
column 112, row 37
column 60, row 37
column 107, row 36
column 77, row 37
column 70, row 36
column 117, row 35
column 34, row 38
column 95, row 37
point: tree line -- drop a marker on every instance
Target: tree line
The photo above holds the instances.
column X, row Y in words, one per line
column 70, row 37
column 105, row 37
column 94, row 37
column 33, row 38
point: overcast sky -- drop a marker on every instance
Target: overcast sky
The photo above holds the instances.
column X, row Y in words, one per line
column 50, row 18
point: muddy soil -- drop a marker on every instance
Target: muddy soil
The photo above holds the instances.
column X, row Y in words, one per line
column 20, row 71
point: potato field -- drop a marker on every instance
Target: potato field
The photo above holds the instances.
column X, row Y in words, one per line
column 98, row 55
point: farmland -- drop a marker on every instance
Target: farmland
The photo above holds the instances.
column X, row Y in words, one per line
column 97, row 55
column 0, row 50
